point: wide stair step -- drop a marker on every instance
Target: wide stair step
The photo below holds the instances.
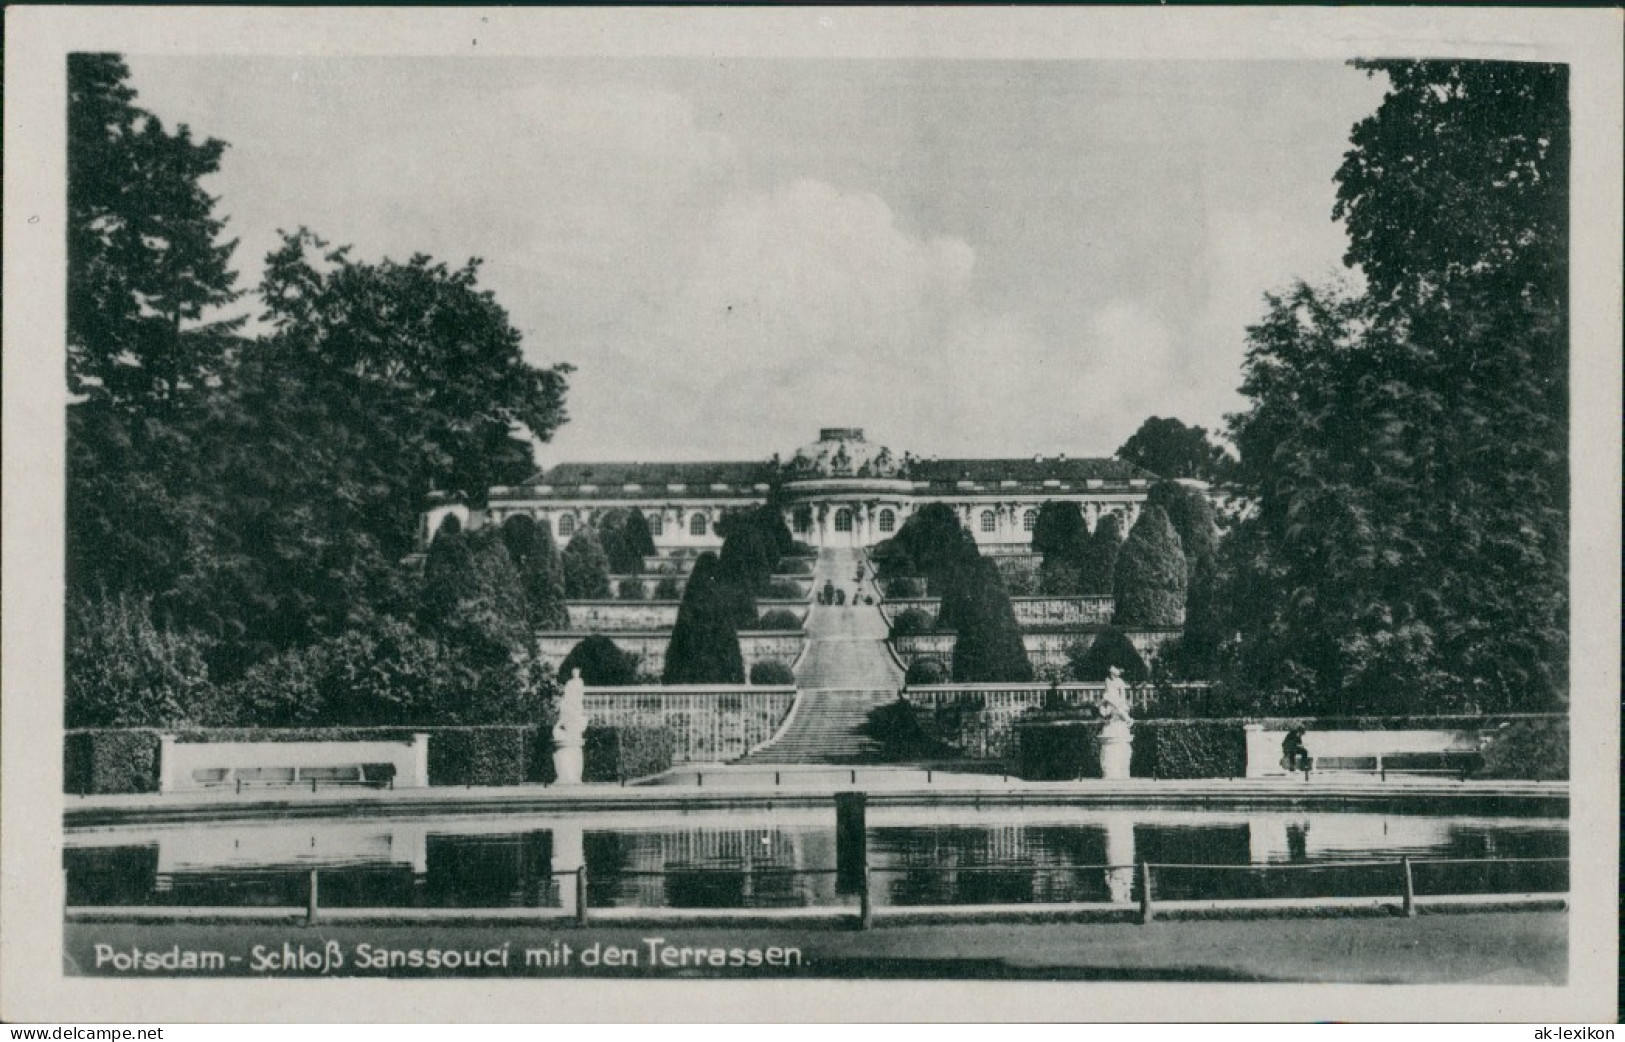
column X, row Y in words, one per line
column 828, row 728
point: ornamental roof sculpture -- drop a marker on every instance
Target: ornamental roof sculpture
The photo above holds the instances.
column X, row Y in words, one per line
column 842, row 452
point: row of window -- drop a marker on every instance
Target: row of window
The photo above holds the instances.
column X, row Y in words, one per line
column 886, row 522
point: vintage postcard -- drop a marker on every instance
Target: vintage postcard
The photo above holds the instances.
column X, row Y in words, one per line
column 813, row 514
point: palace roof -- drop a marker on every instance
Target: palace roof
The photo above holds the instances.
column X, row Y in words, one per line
column 1028, row 470
column 698, row 476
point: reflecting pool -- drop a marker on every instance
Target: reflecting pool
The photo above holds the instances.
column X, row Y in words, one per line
column 787, row 858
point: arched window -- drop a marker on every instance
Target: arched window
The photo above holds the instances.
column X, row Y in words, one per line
column 567, row 525
column 803, row 520
column 657, row 525
column 843, row 520
column 888, row 520
column 989, row 522
column 697, row 525
column 1029, row 521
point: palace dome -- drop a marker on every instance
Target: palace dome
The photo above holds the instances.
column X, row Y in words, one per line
column 842, row 452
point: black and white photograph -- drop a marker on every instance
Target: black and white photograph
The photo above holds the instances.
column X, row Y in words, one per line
column 910, row 503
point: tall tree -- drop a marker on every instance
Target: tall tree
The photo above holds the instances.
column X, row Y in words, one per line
column 704, row 646
column 1111, row 647
column 541, row 572
column 586, row 567
column 124, row 670
column 602, row 663
column 988, row 648
column 932, row 544
column 472, row 596
column 1099, row 560
column 1149, row 583
column 420, row 358
column 1170, row 449
column 1059, row 530
column 1191, row 515
column 146, row 270
column 1406, row 448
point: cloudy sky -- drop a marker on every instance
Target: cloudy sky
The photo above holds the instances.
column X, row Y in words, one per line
column 964, row 257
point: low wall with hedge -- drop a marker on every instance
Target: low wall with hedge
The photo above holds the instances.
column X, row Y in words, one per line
column 126, row 760
column 615, row 754
column 986, row 722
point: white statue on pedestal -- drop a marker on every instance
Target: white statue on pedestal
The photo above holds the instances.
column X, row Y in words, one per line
column 1117, row 736
column 570, row 732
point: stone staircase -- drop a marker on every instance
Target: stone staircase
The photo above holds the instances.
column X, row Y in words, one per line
column 827, row 728
column 845, row 673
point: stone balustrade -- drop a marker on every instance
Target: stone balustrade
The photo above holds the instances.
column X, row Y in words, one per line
column 614, row 617
column 710, row 723
column 1031, row 612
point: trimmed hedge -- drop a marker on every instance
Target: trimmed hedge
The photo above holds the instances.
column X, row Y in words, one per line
column 772, row 674
column 926, row 671
column 1189, row 749
column 897, row 728
column 107, row 761
column 1533, row 750
column 483, row 756
column 783, row 590
column 1057, row 749
column 620, row 753
column 904, row 587
column 110, row 761
column 911, row 622
column 778, row 619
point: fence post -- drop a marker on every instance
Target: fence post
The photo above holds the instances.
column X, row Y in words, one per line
column 1146, row 913
column 866, row 906
column 581, row 895
column 311, row 899
column 1409, row 898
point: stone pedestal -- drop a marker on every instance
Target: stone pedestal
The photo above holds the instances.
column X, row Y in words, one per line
column 567, row 764
column 1116, row 750
column 570, row 732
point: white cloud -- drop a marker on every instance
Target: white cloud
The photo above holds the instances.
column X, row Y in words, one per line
column 804, row 297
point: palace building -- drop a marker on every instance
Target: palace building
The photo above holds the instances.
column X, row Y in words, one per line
column 839, row 491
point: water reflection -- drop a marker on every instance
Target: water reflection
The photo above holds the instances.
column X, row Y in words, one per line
column 787, row 860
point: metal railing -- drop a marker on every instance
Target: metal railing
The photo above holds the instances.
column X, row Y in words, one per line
column 1141, row 880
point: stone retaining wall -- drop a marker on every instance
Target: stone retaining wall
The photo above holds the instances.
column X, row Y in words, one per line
column 1048, row 652
column 649, row 647
column 1030, row 611
column 615, row 617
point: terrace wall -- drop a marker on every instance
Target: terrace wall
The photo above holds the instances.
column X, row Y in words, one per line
column 649, row 647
